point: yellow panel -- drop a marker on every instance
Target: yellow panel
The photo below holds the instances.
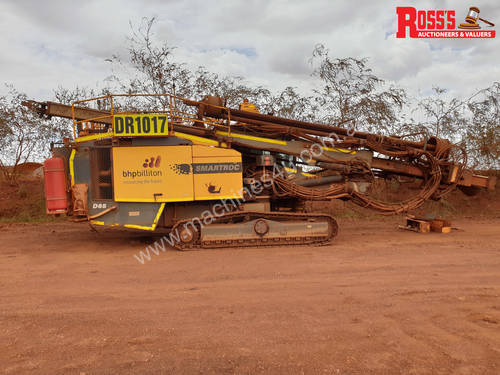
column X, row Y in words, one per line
column 204, row 151
column 217, row 173
column 251, row 137
column 72, row 166
column 138, row 125
column 199, row 140
column 153, row 174
column 93, row 137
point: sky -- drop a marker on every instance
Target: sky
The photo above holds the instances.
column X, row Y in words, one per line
column 46, row 44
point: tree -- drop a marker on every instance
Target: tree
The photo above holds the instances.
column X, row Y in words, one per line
column 351, row 91
column 473, row 122
column 483, row 131
column 444, row 117
column 21, row 134
column 232, row 89
column 153, row 70
column 64, row 127
column 291, row 104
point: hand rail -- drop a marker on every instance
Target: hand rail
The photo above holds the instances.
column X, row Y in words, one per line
column 175, row 112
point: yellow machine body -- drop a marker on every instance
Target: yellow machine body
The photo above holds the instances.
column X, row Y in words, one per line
column 176, row 173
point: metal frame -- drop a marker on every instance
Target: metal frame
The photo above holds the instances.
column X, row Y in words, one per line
column 176, row 116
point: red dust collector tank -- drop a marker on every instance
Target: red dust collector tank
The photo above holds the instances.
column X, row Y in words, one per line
column 55, row 186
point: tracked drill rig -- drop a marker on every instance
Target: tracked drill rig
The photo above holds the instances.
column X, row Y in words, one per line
column 211, row 176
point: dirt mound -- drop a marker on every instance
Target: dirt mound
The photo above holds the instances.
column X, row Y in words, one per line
column 23, row 201
column 28, row 168
column 453, row 205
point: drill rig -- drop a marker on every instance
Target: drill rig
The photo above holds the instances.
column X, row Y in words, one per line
column 212, row 176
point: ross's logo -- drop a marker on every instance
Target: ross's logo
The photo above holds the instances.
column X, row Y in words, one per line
column 439, row 24
column 152, row 162
column 471, row 20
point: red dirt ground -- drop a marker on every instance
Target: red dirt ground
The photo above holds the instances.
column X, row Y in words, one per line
column 376, row 301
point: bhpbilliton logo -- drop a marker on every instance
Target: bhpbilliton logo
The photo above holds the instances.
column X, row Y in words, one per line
column 441, row 24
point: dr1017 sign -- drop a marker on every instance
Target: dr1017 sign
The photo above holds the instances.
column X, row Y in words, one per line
column 139, row 125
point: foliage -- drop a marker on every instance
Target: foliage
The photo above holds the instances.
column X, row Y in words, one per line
column 346, row 90
column 350, row 90
column 443, row 116
column 21, row 134
column 472, row 122
column 483, row 131
column 155, row 71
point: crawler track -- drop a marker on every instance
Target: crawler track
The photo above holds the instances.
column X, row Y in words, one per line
column 197, row 241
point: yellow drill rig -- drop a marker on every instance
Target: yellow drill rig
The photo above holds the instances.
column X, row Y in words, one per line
column 212, row 176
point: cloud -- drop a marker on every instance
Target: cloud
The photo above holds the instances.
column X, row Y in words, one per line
column 47, row 44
